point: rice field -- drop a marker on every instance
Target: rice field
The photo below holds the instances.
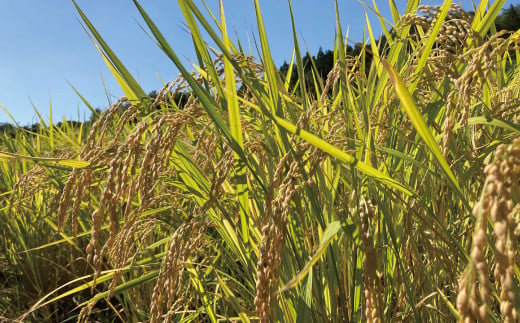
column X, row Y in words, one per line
column 388, row 191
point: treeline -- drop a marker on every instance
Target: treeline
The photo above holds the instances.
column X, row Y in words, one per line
column 509, row 19
column 322, row 63
column 10, row 130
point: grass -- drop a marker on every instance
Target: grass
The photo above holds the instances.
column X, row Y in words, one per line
column 389, row 193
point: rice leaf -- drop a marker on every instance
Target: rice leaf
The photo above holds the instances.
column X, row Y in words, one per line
column 236, row 132
column 341, row 155
column 197, row 282
column 127, row 82
column 327, row 237
column 417, row 120
column 269, row 69
column 485, row 19
column 47, row 160
column 434, row 31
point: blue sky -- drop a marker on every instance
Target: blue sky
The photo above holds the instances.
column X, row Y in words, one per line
column 43, row 46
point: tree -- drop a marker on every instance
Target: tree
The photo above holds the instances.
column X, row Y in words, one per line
column 509, row 19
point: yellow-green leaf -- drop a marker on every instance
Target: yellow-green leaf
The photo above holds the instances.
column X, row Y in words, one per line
column 415, row 116
column 329, row 233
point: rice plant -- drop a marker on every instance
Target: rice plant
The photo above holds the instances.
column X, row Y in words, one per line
column 390, row 192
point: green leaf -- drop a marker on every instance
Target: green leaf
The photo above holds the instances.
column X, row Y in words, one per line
column 126, row 81
column 140, row 280
column 236, row 132
column 329, row 234
column 299, row 61
column 484, row 19
column 269, row 68
column 439, row 20
column 420, row 126
column 47, row 160
column 341, row 155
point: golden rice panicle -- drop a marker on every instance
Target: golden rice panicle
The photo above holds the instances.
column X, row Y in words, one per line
column 372, row 296
column 497, row 203
column 462, row 59
column 205, row 151
column 450, row 43
column 86, row 182
column 273, row 236
column 454, row 30
column 507, row 103
column 25, row 188
column 470, row 292
column 96, row 138
column 452, row 34
column 85, row 313
column 467, row 300
column 352, row 68
column 277, row 211
column 122, row 160
column 263, row 271
column 503, row 191
column 134, row 162
column 480, row 72
column 123, row 184
column 167, row 293
column 515, row 216
column 94, row 152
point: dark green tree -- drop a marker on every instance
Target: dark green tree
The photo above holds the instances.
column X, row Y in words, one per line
column 509, row 19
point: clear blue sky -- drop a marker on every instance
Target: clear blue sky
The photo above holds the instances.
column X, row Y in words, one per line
column 43, row 46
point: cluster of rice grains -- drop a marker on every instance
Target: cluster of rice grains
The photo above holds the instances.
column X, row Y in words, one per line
column 34, row 184
column 273, row 234
column 464, row 59
column 130, row 149
column 499, row 203
column 287, row 183
column 168, row 299
column 25, row 190
column 450, row 42
column 128, row 155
